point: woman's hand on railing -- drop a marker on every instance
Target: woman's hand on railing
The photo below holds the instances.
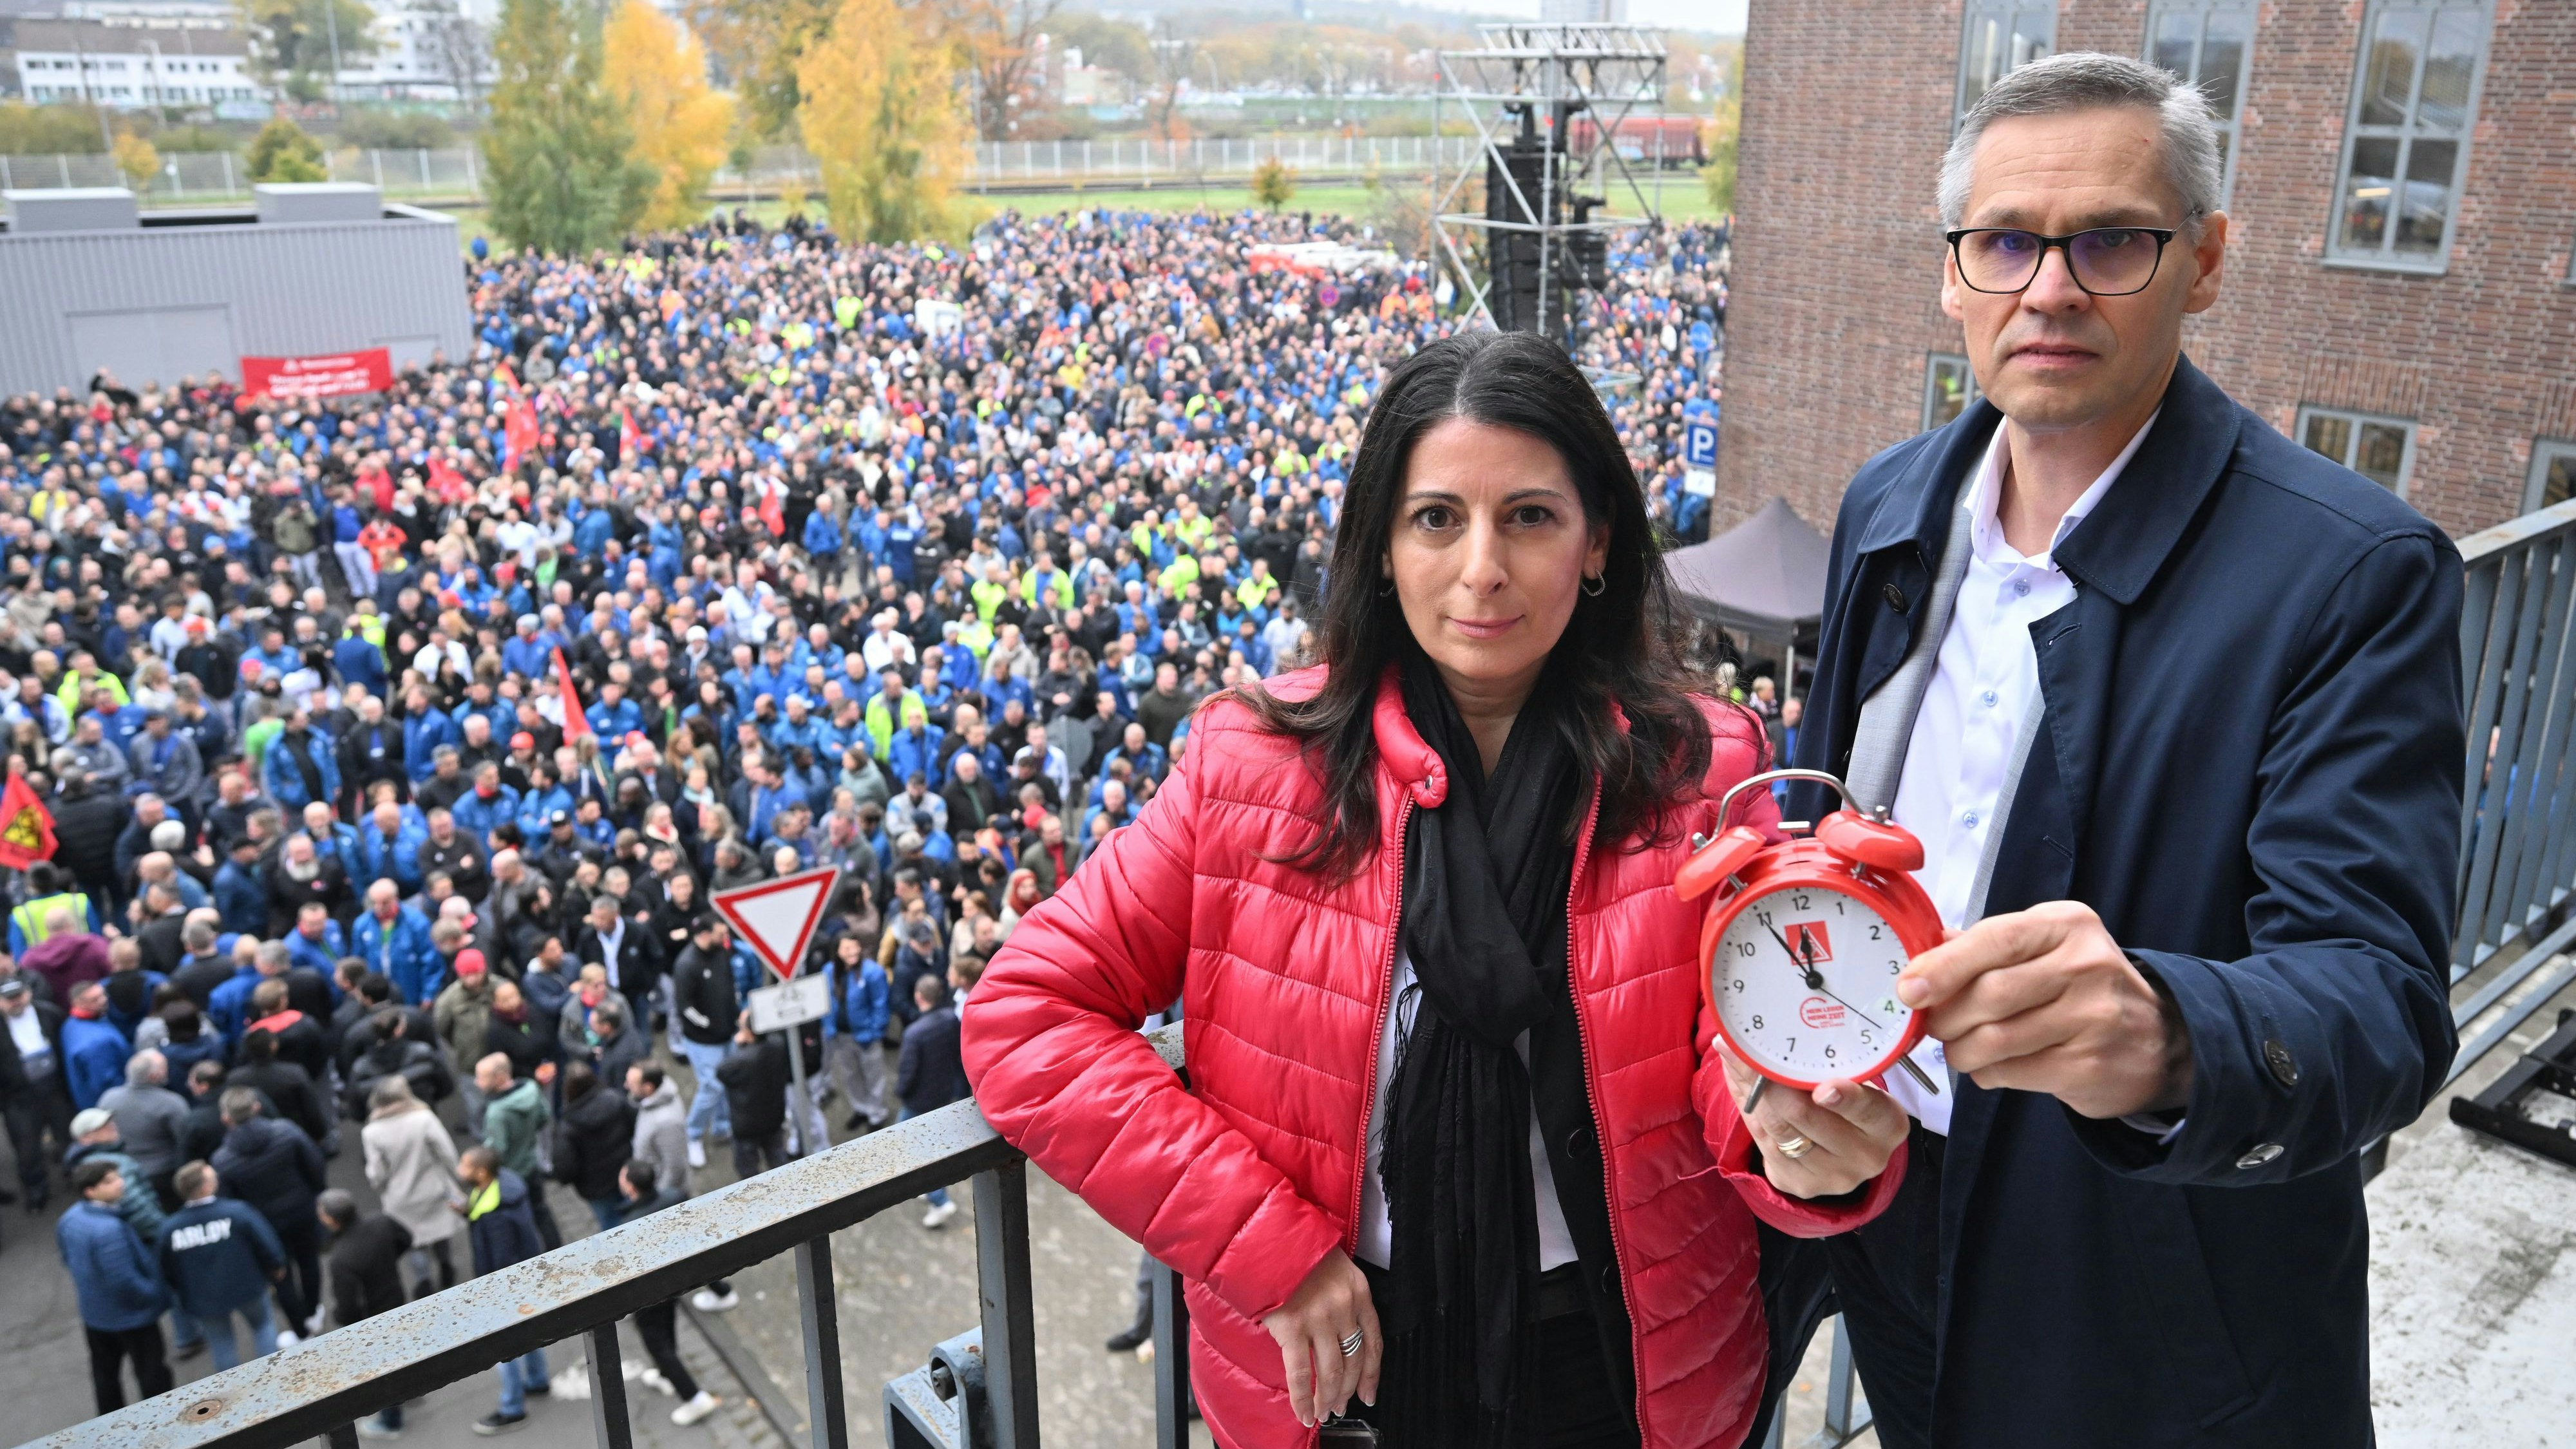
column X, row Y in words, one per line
column 1311, row 1327
column 1823, row 1143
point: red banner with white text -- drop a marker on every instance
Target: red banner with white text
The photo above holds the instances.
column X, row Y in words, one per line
column 333, row 375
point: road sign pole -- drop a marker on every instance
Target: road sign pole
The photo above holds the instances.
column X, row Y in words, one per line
column 804, row 1099
column 776, row 918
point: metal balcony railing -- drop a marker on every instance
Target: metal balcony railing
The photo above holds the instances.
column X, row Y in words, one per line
column 2517, row 870
column 319, row 1388
column 2518, row 822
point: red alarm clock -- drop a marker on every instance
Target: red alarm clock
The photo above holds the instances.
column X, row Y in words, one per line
column 1806, row 937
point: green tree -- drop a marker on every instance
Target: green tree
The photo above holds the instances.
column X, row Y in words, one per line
column 293, row 42
column 1719, row 136
column 387, row 128
column 761, row 44
column 562, row 172
column 27, row 130
column 282, row 152
column 1722, row 156
column 1273, row 184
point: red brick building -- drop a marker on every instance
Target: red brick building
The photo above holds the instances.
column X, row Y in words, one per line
column 2401, row 288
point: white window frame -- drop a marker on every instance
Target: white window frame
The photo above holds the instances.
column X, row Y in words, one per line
column 2009, row 15
column 2386, row 257
column 2544, row 451
column 2201, row 12
column 1933, row 362
column 2406, row 462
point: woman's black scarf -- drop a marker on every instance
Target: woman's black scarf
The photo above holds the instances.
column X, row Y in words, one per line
column 1485, row 882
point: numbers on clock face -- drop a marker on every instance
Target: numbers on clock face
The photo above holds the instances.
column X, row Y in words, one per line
column 1805, row 982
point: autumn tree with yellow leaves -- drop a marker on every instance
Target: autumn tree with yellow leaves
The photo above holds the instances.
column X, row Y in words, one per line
column 681, row 125
column 881, row 115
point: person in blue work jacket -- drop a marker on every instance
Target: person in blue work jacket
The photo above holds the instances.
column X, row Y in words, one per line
column 299, row 767
column 425, row 727
column 94, row 1051
column 2175, row 706
column 854, row 1033
column 393, row 939
column 121, row 1296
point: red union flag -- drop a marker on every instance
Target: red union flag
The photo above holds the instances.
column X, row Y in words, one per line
column 576, row 720
column 334, row 375
column 26, row 830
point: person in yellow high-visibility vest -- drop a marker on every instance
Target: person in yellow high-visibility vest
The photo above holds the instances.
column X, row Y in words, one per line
column 30, row 924
column 83, row 676
column 1258, row 588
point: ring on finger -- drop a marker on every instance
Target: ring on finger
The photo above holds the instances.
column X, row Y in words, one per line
column 1351, row 1343
column 1795, row 1147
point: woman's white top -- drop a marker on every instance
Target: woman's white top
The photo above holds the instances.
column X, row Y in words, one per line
column 1555, row 1240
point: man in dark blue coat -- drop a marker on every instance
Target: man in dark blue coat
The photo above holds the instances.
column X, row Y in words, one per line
column 2175, row 706
column 503, row 1229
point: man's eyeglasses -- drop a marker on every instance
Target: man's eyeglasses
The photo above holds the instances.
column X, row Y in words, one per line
column 2108, row 261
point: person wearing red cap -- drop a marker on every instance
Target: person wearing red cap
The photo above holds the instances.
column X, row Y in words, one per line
column 463, row 1016
column 520, row 761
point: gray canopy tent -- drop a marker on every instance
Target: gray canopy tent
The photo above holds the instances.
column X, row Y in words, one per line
column 1764, row 578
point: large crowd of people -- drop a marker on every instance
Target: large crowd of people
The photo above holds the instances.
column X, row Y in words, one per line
column 392, row 745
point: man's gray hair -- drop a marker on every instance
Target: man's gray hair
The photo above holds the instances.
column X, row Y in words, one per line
column 2089, row 80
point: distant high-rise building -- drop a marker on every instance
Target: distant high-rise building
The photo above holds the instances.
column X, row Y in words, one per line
column 1606, row 12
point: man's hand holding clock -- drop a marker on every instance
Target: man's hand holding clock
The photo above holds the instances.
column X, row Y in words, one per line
column 2044, row 1000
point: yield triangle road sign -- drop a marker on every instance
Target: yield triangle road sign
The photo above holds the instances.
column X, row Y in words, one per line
column 776, row 918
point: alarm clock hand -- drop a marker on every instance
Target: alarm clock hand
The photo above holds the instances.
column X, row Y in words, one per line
column 1847, row 1006
column 1806, row 969
column 1815, row 979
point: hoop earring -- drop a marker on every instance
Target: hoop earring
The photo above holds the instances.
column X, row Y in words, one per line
column 1385, row 587
column 1596, row 585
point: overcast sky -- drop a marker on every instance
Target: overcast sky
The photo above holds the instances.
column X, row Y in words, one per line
column 1722, row 17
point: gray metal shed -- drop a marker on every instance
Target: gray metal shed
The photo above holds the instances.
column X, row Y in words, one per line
column 173, row 294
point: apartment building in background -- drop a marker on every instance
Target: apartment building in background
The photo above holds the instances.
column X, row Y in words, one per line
column 124, row 67
column 2401, row 269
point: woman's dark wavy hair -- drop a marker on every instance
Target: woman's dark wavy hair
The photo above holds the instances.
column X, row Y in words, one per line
column 1622, row 646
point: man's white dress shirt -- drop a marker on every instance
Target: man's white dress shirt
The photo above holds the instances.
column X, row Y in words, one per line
column 1984, row 684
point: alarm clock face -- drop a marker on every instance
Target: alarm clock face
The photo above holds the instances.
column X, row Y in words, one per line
column 1804, row 978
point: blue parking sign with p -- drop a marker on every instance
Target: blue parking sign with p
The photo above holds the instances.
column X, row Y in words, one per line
column 1699, row 444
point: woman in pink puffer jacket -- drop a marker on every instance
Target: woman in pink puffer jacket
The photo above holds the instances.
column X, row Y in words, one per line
column 1455, row 1156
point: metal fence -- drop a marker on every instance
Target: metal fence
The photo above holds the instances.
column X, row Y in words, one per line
column 198, row 178
column 319, row 1388
column 2518, row 822
column 455, row 173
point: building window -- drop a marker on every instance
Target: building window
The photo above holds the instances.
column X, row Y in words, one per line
column 2380, row 449
column 2553, row 474
column 2002, row 36
column 1949, row 385
column 2206, row 42
column 2406, row 143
